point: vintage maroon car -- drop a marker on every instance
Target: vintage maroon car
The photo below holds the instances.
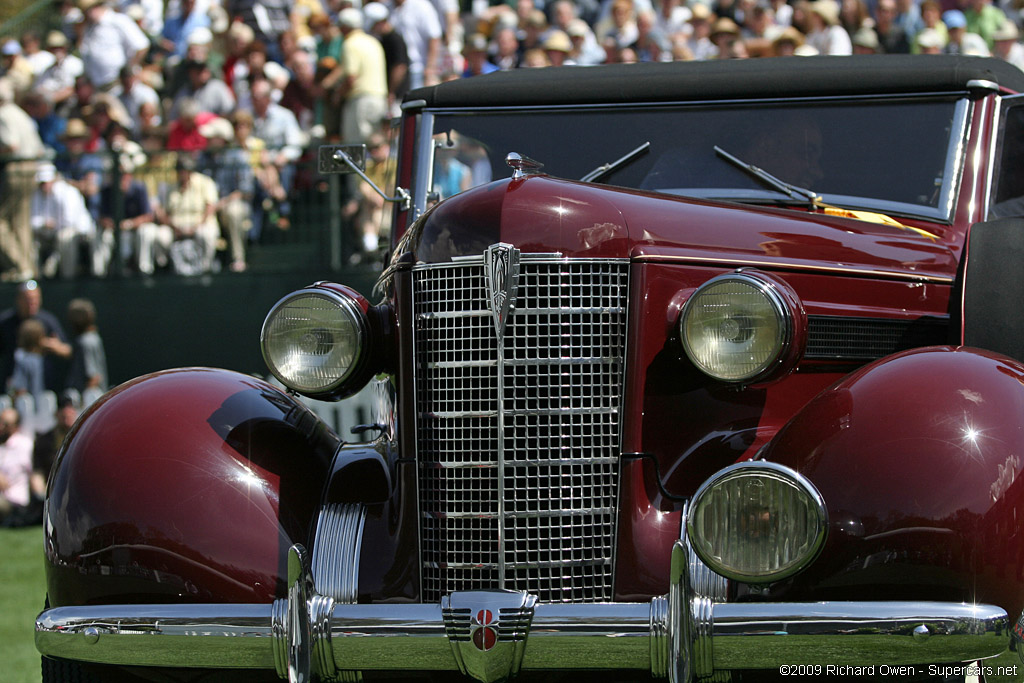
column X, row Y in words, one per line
column 707, row 394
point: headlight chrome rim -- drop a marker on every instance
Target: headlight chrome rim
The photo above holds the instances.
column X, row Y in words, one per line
column 349, row 308
column 777, row 471
column 783, row 306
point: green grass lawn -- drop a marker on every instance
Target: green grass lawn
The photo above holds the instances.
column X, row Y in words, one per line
column 22, row 590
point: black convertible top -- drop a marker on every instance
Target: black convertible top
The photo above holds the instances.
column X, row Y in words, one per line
column 722, row 80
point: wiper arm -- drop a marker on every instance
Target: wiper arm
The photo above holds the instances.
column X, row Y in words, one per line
column 606, row 169
column 792, row 191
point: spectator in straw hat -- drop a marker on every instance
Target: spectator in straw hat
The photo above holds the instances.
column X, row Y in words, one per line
column 477, row 61
column 558, row 47
column 787, row 42
column 865, row 41
column 825, row 34
column 57, row 82
column 1006, row 45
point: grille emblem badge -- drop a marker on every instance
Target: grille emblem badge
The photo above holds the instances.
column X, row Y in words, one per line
column 501, row 267
column 487, row 631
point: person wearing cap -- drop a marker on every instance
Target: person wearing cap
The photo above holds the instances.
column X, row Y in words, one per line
column 110, row 41
column 962, row 41
column 21, row 144
column 61, row 224
column 178, row 28
column 14, row 67
column 364, row 84
column 396, row 54
column 1007, row 46
column 420, row 27
column 188, row 230
column 57, row 82
column 126, row 209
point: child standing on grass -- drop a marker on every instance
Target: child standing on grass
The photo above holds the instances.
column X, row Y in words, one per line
column 28, row 361
column 88, row 359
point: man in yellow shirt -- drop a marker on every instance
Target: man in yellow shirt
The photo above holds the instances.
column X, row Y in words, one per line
column 365, row 84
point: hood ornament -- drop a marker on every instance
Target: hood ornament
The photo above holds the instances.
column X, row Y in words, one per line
column 501, row 270
column 523, row 166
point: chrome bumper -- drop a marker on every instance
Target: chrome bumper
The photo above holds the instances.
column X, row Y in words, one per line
column 491, row 635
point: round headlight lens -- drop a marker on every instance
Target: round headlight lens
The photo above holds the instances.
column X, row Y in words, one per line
column 757, row 522
column 313, row 340
column 734, row 328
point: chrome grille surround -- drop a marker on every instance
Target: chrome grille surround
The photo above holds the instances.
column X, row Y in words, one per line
column 518, row 436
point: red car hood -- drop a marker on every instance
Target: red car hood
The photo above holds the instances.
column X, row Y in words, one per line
column 543, row 214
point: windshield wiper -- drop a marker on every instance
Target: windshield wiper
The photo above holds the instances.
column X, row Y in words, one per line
column 792, row 191
column 606, row 169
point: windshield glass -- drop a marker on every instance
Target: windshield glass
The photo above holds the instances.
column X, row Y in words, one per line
column 896, row 157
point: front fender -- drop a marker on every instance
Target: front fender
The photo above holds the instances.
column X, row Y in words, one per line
column 919, row 459
column 184, row 485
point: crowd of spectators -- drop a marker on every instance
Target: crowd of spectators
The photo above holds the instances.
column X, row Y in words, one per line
column 165, row 134
column 38, row 360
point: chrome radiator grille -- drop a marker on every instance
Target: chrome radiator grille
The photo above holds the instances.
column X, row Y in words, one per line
column 518, row 434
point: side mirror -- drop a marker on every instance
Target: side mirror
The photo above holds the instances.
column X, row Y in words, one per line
column 352, row 159
column 332, row 159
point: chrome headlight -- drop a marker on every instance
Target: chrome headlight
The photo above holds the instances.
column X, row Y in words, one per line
column 736, row 327
column 314, row 340
column 757, row 522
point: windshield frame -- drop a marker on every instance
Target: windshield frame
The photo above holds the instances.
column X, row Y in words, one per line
column 955, row 153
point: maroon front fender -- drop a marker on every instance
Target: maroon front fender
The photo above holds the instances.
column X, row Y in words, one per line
column 184, row 485
column 919, row 459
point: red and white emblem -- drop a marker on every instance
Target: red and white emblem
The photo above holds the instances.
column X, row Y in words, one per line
column 483, row 630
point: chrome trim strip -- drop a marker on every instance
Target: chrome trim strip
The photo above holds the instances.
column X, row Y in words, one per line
column 736, row 262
